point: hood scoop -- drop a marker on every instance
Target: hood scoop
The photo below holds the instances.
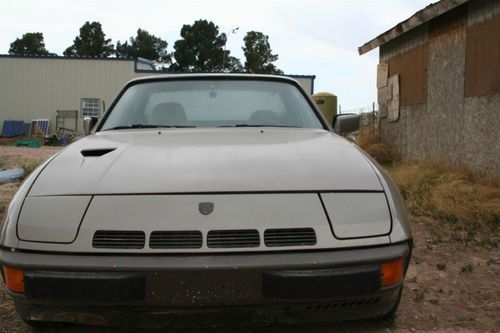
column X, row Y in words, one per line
column 96, row 152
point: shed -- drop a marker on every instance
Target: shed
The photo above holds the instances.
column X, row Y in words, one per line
column 438, row 83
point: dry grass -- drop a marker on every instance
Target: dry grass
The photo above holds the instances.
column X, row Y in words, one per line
column 467, row 208
column 30, row 165
column 372, row 144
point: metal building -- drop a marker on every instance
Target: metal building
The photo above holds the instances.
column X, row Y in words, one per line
column 64, row 89
column 438, row 82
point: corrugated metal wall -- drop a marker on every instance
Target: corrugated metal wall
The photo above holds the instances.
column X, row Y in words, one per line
column 33, row 88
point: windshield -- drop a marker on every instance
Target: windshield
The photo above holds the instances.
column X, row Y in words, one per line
column 211, row 103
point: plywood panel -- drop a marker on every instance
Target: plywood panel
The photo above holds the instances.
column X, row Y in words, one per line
column 382, row 74
column 412, row 69
column 482, row 58
column 394, row 102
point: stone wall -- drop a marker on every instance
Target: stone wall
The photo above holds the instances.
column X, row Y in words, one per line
column 481, row 151
column 445, row 89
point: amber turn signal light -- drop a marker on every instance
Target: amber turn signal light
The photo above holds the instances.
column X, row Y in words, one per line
column 14, row 278
column 391, row 272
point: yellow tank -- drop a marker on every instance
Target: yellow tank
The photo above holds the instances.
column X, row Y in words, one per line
column 327, row 103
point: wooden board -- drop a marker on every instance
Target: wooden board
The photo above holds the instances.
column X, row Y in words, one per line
column 412, row 69
column 482, row 58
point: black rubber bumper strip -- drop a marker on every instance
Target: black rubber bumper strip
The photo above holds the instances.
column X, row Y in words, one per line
column 321, row 283
column 79, row 286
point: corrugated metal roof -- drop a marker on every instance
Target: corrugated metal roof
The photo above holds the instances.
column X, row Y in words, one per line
column 422, row 16
column 70, row 57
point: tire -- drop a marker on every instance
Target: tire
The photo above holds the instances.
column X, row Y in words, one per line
column 44, row 326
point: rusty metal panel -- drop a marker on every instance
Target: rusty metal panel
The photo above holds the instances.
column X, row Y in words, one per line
column 482, row 58
column 406, row 42
column 448, row 23
column 412, row 69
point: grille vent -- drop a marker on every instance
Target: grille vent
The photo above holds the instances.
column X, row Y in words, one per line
column 175, row 239
column 343, row 304
column 289, row 237
column 111, row 239
column 233, row 238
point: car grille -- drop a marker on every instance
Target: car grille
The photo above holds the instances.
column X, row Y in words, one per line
column 343, row 304
column 175, row 239
column 233, row 238
column 289, row 237
column 111, row 239
column 193, row 239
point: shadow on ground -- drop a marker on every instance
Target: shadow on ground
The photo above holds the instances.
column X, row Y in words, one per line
column 363, row 326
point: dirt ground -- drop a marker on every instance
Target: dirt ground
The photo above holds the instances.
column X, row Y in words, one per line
column 450, row 286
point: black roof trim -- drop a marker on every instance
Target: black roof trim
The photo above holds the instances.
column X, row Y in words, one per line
column 299, row 76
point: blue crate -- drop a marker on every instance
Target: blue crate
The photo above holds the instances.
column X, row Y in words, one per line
column 12, row 128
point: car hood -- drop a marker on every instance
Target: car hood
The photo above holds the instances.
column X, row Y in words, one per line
column 216, row 160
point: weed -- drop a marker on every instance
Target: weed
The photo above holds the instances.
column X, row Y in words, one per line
column 29, row 166
column 466, row 207
column 468, row 268
column 419, row 295
column 372, row 144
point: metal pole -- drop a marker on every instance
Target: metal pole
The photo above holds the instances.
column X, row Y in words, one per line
column 224, row 53
column 225, row 42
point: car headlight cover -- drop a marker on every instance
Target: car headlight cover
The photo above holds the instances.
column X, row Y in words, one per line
column 357, row 215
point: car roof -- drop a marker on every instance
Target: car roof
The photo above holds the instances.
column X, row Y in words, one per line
column 216, row 76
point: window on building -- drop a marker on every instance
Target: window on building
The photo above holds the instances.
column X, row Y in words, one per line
column 90, row 107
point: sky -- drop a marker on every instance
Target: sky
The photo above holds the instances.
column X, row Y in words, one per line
column 314, row 37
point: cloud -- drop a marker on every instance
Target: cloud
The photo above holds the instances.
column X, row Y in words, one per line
column 317, row 37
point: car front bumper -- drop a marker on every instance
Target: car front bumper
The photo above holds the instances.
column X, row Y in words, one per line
column 158, row 290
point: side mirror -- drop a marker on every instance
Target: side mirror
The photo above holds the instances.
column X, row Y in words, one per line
column 346, row 123
column 88, row 124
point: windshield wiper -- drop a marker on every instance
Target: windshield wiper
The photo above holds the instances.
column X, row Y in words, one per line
column 134, row 126
column 249, row 125
column 145, row 126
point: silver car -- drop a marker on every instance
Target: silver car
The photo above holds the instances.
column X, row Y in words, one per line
column 202, row 200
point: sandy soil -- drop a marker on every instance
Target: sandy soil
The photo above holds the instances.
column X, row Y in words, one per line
column 450, row 286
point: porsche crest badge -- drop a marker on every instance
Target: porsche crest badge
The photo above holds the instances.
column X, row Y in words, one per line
column 206, row 207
